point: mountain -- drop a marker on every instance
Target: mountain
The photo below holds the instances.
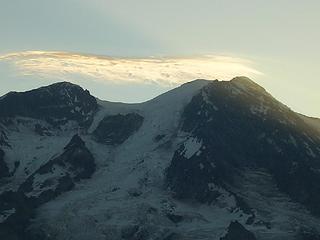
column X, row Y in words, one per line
column 208, row 160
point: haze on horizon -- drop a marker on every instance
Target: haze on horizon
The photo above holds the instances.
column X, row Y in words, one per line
column 132, row 51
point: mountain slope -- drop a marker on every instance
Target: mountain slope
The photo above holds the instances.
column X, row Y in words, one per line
column 314, row 122
column 241, row 125
column 207, row 160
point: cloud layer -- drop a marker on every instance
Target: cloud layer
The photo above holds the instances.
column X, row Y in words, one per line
column 166, row 71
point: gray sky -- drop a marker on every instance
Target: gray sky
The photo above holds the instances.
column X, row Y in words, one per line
column 275, row 42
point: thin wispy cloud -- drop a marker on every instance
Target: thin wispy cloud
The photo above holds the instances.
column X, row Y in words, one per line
column 164, row 71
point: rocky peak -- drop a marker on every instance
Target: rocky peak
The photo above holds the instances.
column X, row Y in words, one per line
column 54, row 103
column 243, row 80
column 246, row 82
column 236, row 125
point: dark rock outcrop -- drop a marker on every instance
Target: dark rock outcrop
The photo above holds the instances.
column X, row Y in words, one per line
column 41, row 130
column 237, row 232
column 56, row 104
column 61, row 173
column 3, row 138
column 4, row 170
column 113, row 130
column 188, row 180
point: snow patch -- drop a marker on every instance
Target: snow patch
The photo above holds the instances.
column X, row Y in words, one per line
column 191, row 147
column 39, row 181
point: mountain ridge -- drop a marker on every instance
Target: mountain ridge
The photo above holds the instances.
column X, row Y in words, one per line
column 207, row 160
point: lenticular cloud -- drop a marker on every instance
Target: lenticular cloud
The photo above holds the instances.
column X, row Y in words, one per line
column 165, row 71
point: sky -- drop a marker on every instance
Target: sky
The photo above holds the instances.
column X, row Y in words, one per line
column 131, row 51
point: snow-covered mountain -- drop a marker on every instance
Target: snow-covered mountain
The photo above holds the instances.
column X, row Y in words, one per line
column 208, row 160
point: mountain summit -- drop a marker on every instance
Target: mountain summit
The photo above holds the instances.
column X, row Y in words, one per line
column 208, row 160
